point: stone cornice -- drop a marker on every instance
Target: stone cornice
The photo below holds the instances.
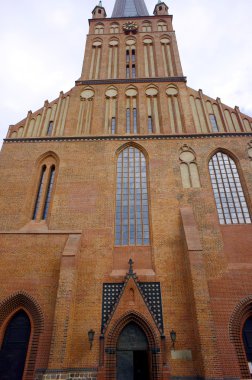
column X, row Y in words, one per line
column 131, row 80
column 126, row 137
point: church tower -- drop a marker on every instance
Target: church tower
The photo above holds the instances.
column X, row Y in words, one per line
column 125, row 223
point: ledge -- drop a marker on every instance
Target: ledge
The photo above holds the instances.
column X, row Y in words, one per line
column 49, row 232
column 130, row 80
column 127, row 137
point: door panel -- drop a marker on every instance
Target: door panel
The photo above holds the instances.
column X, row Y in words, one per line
column 14, row 348
column 125, row 367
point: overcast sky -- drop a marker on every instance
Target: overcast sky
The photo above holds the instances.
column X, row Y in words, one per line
column 42, row 47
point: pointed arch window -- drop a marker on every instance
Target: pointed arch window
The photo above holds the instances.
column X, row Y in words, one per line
column 15, row 346
column 132, row 209
column 229, row 197
column 45, row 189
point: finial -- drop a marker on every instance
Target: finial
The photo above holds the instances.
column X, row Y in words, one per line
column 100, row 3
column 131, row 262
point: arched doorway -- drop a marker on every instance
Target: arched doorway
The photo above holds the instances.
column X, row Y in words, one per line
column 247, row 341
column 132, row 356
column 14, row 347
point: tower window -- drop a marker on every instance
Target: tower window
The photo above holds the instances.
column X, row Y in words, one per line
column 131, row 110
column 132, row 212
column 130, row 60
column 229, row 197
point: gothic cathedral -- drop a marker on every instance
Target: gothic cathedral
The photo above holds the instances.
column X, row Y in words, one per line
column 125, row 223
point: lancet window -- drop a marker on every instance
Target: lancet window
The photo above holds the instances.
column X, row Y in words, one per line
column 174, row 109
column 85, row 111
column 149, row 62
column 167, row 56
column 153, row 110
column 45, row 189
column 130, row 59
column 111, row 111
column 113, row 59
column 229, row 197
column 131, row 111
column 95, row 60
column 132, row 211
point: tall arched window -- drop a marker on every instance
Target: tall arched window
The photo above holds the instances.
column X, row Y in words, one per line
column 45, row 189
column 14, row 348
column 132, row 210
column 229, row 196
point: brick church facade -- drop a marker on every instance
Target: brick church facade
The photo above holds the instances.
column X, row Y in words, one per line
column 125, row 224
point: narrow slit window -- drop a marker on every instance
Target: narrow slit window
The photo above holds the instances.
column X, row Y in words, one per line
column 127, row 71
column 132, row 209
column 133, row 55
column 39, row 194
column 133, row 71
column 134, row 120
column 49, row 129
column 150, row 126
column 229, row 197
column 128, row 120
column 49, row 192
column 113, row 125
column 214, row 124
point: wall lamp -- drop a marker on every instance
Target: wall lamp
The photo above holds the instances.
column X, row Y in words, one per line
column 91, row 335
column 173, row 336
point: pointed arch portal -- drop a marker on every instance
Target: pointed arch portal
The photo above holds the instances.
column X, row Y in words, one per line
column 132, row 356
column 14, row 347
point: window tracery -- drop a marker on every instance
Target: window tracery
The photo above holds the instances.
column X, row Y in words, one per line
column 229, row 197
column 132, row 209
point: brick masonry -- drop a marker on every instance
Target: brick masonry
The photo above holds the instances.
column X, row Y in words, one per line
column 55, row 269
